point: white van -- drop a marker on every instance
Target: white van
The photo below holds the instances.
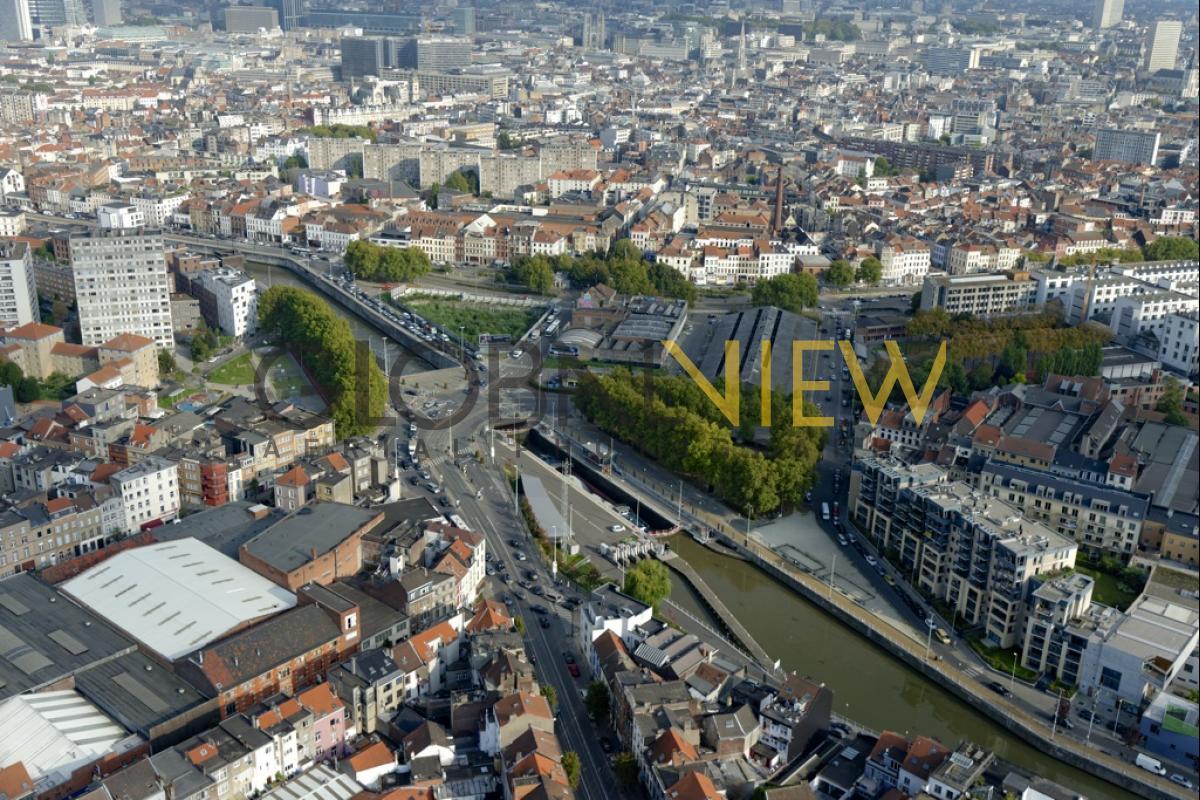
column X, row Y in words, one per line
column 1150, row 764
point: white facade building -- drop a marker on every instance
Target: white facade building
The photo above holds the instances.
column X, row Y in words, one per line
column 18, row 292
column 149, row 490
column 119, row 216
column 122, row 286
column 236, row 300
column 1179, row 343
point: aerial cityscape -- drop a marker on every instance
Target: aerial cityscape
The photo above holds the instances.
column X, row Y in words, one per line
column 692, row 400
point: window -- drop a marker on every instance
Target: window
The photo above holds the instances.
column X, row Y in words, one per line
column 1110, row 678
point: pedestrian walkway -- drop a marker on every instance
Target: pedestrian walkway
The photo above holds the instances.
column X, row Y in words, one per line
column 718, row 608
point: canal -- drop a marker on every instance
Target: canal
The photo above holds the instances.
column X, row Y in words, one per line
column 267, row 275
column 869, row 685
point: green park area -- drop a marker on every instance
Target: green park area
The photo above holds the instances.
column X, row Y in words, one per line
column 475, row 318
column 235, row 372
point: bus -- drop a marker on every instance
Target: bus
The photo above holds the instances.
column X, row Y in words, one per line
column 825, row 511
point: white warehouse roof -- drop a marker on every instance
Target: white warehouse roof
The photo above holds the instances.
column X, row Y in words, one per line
column 175, row 597
column 55, row 733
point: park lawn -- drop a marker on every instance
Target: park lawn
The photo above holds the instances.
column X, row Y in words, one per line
column 476, row 318
column 238, row 372
column 1109, row 589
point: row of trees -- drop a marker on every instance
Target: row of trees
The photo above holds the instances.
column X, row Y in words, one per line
column 353, row 383
column 985, row 353
column 624, row 268
column 840, row 274
column 791, row 292
column 375, row 262
column 340, row 131
column 678, row 426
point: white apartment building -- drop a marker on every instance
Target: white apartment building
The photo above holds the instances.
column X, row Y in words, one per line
column 149, row 491
column 12, row 223
column 122, row 286
column 1163, row 47
column 18, row 292
column 119, row 216
column 236, row 300
column 1179, row 343
column 1147, row 313
column 157, row 211
column 905, row 263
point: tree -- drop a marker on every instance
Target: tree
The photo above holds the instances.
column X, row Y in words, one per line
column 840, row 274
column 297, row 161
column 519, row 625
column 166, row 362
column 597, row 701
column 884, row 168
column 625, row 767
column 504, row 141
column 1172, row 248
column 551, row 696
column 459, row 182
column 790, row 292
column 648, row 582
column 573, row 768
column 321, row 340
column 534, row 272
column 870, row 271
column 1171, row 402
column 204, row 344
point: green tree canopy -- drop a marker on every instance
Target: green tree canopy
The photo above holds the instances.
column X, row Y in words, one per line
column 1171, row 402
column 840, row 273
column 573, row 768
column 597, row 701
column 1172, row 248
column 321, row 340
column 649, row 582
column 870, row 271
column 790, row 291
column 534, row 272
column 375, row 262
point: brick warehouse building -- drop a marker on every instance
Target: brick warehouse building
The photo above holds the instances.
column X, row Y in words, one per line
column 318, row 543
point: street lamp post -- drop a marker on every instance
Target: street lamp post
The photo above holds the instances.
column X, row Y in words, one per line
column 1012, row 681
column 1117, row 718
column 554, row 545
column 462, row 351
column 832, row 568
column 928, row 636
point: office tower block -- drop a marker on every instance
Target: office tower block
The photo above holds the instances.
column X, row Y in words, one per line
column 362, row 57
column 1107, row 13
column 15, row 23
column 1163, row 46
column 434, row 53
column 463, row 18
column 47, row 13
column 18, row 291
column 121, row 285
column 106, row 12
column 1131, row 147
column 249, row 19
column 290, row 13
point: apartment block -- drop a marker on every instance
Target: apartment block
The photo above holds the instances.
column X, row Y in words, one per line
column 970, row 550
column 122, row 286
column 18, row 288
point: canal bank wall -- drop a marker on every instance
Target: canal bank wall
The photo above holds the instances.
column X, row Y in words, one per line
column 419, row 347
column 1014, row 719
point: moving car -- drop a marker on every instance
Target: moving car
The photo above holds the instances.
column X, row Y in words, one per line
column 616, row 528
column 1000, row 689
